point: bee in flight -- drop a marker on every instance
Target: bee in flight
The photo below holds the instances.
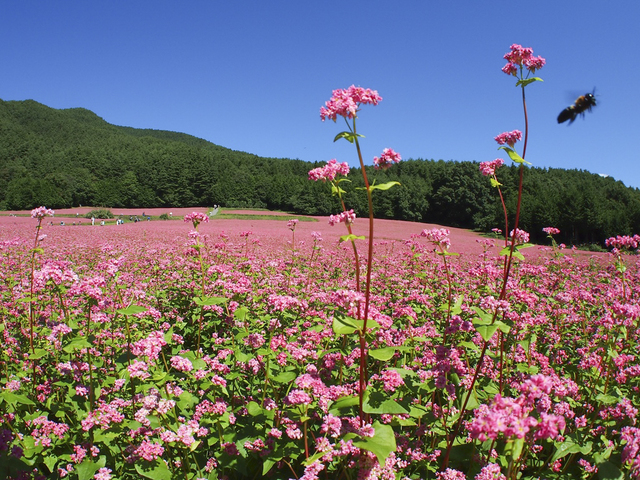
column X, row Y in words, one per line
column 582, row 104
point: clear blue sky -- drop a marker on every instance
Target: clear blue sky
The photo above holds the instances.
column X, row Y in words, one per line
column 252, row 75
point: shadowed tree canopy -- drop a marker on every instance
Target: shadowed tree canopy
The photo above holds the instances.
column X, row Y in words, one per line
column 71, row 157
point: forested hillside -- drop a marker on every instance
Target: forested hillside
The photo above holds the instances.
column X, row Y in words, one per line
column 71, row 157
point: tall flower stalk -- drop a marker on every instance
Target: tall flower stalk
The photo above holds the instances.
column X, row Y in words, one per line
column 196, row 218
column 521, row 64
column 39, row 214
column 346, row 103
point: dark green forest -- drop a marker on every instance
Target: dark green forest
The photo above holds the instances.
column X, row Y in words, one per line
column 71, row 157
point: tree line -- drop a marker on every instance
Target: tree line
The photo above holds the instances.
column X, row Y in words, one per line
column 71, row 157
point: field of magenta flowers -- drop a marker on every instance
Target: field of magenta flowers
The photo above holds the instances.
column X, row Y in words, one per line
column 229, row 351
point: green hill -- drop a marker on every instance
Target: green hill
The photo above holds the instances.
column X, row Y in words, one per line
column 70, row 157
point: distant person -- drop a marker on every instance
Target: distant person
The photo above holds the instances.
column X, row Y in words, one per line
column 93, row 220
column 102, row 223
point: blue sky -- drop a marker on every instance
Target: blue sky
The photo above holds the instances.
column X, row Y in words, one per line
column 252, row 75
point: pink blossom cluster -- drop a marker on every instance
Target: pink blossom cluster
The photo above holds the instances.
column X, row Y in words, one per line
column 43, row 428
column 103, row 473
column 490, row 471
column 347, row 217
column 41, row 212
column 291, row 224
column 345, row 102
column 392, row 380
column 181, row 364
column 512, row 417
column 386, row 159
column 451, row 474
column 285, row 302
column 58, row 272
column 509, row 138
column 551, row 230
column 520, row 236
column 503, row 416
column 438, row 236
column 488, row 169
column 631, row 451
column 150, row 346
column 521, row 57
column 196, row 218
column 623, row 242
column 329, row 171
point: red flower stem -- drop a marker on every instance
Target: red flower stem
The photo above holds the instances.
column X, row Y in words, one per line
column 367, row 292
column 503, row 291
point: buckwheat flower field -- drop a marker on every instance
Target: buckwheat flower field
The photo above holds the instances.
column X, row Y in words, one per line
column 219, row 349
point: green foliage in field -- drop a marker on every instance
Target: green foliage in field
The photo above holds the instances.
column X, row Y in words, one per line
column 101, row 213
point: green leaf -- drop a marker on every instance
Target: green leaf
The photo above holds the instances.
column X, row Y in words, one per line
column 383, row 354
column 156, row 470
column 606, row 399
column 75, row 344
column 513, row 155
column 608, row 471
column 343, row 325
column 495, row 183
column 527, row 81
column 383, row 186
column 50, row 462
column 284, row 377
column 254, row 409
column 565, row 448
column 507, row 250
column 202, row 301
column 513, row 448
column 336, row 190
column 87, row 468
column 351, row 237
column 268, row 463
column 381, row 444
column 344, row 402
column 486, row 331
column 350, row 136
column 37, row 353
column 240, row 313
column 132, row 310
column 378, row 403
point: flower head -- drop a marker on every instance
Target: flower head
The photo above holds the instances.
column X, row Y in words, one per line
column 520, row 57
column 388, row 158
column 291, row 224
column 623, row 242
column 346, row 217
column 551, row 230
column 438, row 236
column 520, row 236
column 329, row 171
column 345, row 102
column 196, row 218
column 41, row 212
column 509, row 138
column 488, row 169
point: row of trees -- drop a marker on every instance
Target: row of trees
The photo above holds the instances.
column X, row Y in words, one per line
column 65, row 158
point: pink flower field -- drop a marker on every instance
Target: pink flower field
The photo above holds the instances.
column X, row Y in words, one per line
column 157, row 350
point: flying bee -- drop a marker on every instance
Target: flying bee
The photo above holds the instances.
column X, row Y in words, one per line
column 582, row 104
